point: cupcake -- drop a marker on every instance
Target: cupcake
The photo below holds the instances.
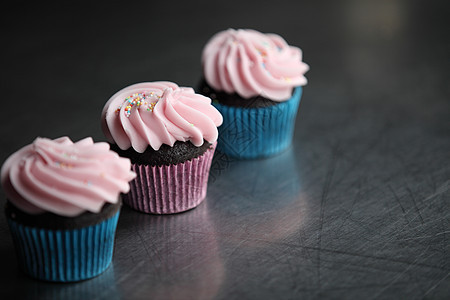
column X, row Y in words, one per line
column 255, row 80
column 63, row 205
column 169, row 133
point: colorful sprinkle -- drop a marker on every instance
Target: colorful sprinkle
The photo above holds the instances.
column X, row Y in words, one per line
column 262, row 52
column 137, row 100
column 151, row 106
column 63, row 165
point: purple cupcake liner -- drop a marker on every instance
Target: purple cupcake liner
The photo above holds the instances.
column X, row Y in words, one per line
column 170, row 189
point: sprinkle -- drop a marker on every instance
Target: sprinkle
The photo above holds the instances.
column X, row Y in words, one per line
column 261, row 52
column 137, row 100
column 191, row 124
column 63, row 165
column 151, row 106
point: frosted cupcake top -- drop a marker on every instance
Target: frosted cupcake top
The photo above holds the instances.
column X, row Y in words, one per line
column 65, row 178
column 251, row 63
column 156, row 113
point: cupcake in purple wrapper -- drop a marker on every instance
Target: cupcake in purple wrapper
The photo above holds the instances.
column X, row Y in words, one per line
column 255, row 81
column 63, row 206
column 169, row 133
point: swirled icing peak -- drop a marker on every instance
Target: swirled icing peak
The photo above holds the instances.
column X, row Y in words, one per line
column 251, row 63
column 156, row 113
column 65, row 178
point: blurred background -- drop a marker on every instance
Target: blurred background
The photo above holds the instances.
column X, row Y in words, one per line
column 365, row 185
column 63, row 61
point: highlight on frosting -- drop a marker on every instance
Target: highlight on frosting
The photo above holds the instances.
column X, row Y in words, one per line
column 250, row 63
column 156, row 113
column 64, row 177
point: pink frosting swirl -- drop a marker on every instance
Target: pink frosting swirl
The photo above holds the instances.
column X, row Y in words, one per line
column 65, row 178
column 251, row 63
column 156, row 113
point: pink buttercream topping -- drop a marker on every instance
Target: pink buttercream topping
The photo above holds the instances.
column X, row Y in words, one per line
column 156, row 113
column 65, row 178
column 251, row 63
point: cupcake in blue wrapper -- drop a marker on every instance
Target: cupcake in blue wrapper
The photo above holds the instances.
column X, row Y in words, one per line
column 63, row 206
column 255, row 81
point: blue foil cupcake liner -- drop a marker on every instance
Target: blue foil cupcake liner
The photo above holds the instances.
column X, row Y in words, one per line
column 257, row 132
column 64, row 255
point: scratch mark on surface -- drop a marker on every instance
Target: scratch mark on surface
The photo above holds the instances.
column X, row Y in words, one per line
column 436, row 285
column 415, row 205
column 424, row 237
column 398, row 201
column 326, row 188
column 393, row 236
column 400, row 275
column 440, row 190
column 237, row 247
column 334, row 251
column 443, row 232
column 430, row 201
column 129, row 273
column 143, row 243
column 357, row 197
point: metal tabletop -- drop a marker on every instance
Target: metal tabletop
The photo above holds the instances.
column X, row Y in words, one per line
column 357, row 208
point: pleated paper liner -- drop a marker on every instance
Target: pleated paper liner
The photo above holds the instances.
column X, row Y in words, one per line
column 64, row 255
column 170, row 189
column 248, row 133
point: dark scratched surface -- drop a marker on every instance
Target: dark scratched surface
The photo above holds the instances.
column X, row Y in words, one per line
column 357, row 208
